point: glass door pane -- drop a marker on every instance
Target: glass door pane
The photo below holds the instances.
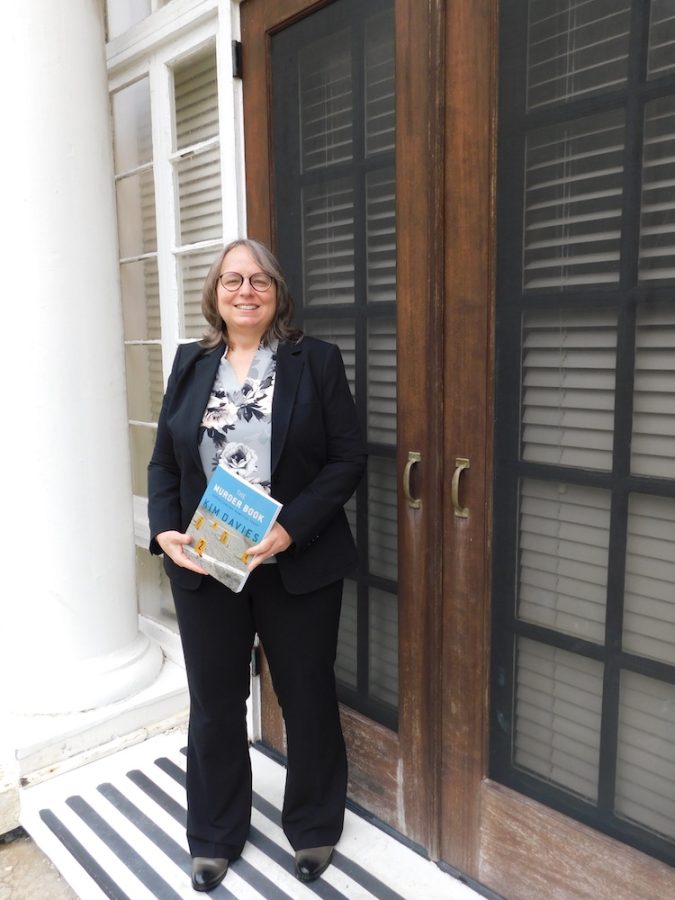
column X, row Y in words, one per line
column 333, row 108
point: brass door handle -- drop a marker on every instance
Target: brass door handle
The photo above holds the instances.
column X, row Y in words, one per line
column 413, row 457
column 461, row 463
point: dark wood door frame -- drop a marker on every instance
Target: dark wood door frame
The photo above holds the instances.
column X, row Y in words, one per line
column 419, row 212
column 469, row 235
column 395, row 776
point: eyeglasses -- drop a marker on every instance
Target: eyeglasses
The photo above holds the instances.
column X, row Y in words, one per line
column 232, row 281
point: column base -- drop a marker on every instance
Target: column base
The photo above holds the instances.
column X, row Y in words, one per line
column 37, row 747
column 59, row 688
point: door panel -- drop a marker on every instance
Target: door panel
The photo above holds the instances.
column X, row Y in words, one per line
column 333, row 142
column 393, row 766
column 584, row 624
column 470, row 34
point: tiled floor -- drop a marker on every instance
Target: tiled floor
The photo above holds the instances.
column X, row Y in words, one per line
column 115, row 828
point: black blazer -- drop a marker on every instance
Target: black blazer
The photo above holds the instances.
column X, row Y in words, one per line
column 318, row 457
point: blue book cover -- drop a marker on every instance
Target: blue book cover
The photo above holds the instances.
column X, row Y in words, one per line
column 232, row 516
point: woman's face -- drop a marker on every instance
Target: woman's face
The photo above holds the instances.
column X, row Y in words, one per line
column 245, row 310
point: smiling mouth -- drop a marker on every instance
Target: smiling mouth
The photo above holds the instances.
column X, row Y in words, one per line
column 247, row 307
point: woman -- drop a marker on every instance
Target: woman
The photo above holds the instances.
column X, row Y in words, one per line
column 277, row 406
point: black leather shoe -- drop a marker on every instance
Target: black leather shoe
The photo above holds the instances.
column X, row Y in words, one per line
column 208, row 872
column 310, row 863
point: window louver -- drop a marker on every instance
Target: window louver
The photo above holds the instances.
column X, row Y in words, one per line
column 649, row 593
column 653, row 443
column 328, row 242
column 326, row 101
column 345, row 663
column 645, row 775
column 196, row 99
column 568, row 378
column 382, row 518
column 661, row 52
column 573, row 195
column 383, row 646
column 657, row 224
column 382, row 380
column 576, row 47
column 379, row 75
column 563, row 544
column 557, row 719
column 198, row 182
column 381, row 235
column 340, row 332
column 200, row 203
column 192, row 270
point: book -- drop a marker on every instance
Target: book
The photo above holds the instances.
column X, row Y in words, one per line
column 231, row 517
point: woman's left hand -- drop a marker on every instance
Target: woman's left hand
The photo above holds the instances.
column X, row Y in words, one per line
column 276, row 541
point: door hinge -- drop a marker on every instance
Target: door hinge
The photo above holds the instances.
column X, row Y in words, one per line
column 236, row 59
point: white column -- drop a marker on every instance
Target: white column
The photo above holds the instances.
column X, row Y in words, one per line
column 69, row 636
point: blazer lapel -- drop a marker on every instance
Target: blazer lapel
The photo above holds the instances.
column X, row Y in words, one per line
column 205, row 370
column 290, row 363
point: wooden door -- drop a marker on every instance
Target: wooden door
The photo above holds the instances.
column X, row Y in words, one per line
column 425, row 769
column 383, row 326
column 469, row 31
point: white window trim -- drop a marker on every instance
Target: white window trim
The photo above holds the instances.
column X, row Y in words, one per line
column 150, row 49
column 165, row 24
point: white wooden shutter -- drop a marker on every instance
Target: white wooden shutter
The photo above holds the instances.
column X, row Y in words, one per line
column 645, row 771
column 345, row 663
column 199, row 197
column 382, row 518
column 576, row 47
column 573, row 197
column 649, row 598
column 196, row 165
column 340, row 332
column 563, row 544
column 657, row 222
column 196, row 99
column 192, row 270
column 382, row 380
column 380, row 86
column 557, row 716
column 325, row 71
column 653, row 444
column 381, row 234
column 383, row 646
column 661, row 55
column 328, row 242
column 568, row 380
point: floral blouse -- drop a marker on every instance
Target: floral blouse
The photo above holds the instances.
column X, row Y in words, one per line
column 237, row 421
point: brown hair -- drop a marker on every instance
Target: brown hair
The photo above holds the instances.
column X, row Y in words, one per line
column 281, row 328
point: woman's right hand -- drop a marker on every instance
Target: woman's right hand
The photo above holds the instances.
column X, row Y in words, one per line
column 172, row 543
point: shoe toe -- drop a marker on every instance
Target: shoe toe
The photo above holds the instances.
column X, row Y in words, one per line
column 208, row 872
column 312, row 862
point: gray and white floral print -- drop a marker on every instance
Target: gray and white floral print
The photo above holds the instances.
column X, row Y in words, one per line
column 237, row 421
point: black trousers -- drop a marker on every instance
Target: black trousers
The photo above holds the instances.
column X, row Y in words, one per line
column 299, row 635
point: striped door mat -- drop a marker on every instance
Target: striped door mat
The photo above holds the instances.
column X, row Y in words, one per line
column 116, row 828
